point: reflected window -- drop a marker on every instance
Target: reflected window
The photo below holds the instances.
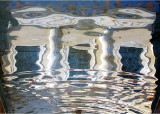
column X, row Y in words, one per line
column 27, row 57
column 131, row 61
column 79, row 59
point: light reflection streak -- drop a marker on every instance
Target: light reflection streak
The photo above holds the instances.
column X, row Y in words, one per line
column 52, row 55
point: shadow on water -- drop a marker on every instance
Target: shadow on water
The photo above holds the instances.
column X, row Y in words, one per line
column 156, row 49
column 5, row 18
column 79, row 60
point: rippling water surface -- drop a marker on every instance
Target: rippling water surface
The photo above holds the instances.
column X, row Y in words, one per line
column 68, row 63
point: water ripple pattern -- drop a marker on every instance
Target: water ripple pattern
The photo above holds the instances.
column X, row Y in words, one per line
column 61, row 63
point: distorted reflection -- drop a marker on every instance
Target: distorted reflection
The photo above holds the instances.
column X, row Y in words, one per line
column 156, row 49
column 5, row 18
column 129, row 55
column 80, row 59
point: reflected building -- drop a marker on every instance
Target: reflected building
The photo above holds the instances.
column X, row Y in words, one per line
column 78, row 50
column 137, row 48
column 52, row 33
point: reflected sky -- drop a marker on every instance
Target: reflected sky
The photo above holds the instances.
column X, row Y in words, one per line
column 67, row 62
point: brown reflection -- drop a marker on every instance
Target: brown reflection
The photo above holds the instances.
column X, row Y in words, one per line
column 78, row 111
column 1, row 72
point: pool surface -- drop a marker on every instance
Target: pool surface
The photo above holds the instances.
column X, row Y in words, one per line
column 79, row 57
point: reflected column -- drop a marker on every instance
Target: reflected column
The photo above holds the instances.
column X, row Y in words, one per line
column 105, row 51
column 57, row 54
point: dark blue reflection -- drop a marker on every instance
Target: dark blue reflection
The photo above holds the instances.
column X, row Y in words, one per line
column 5, row 18
column 156, row 49
column 129, row 76
column 79, row 59
column 27, row 57
column 131, row 59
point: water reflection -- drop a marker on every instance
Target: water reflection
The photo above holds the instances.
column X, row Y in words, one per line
column 156, row 47
column 5, row 18
column 63, row 63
